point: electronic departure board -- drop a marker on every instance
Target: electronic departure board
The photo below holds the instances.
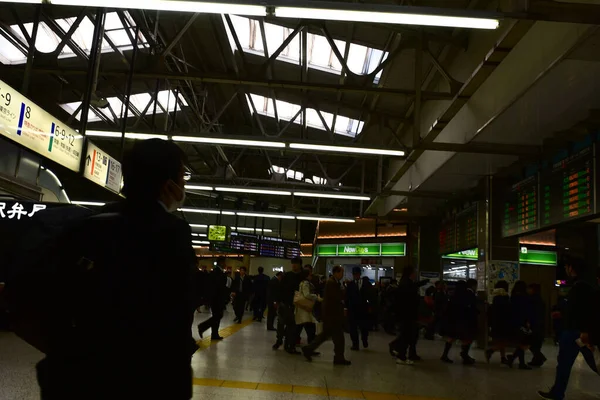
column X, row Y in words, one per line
column 567, row 189
column 521, row 208
column 447, row 238
column 466, row 229
column 292, row 249
column 272, row 247
column 244, row 243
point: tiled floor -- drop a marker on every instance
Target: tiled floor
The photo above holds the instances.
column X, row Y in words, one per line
column 243, row 366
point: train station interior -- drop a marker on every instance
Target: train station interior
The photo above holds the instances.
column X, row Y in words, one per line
column 455, row 141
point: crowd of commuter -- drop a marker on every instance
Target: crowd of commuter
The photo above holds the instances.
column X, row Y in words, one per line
column 96, row 334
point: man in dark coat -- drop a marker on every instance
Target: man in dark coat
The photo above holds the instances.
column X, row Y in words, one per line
column 146, row 299
column 333, row 319
column 286, row 323
column 272, row 298
column 241, row 289
column 260, row 286
column 217, row 297
column 407, row 303
column 358, row 301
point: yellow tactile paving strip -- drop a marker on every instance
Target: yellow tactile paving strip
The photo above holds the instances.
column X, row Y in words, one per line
column 311, row 390
column 296, row 389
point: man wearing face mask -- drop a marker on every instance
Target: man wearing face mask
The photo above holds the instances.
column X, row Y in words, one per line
column 139, row 330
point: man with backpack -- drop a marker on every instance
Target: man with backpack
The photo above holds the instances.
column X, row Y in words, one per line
column 115, row 321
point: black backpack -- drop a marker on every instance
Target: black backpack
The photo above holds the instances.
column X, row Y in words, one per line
column 53, row 285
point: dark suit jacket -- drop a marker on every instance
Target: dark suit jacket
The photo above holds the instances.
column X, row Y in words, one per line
column 218, row 296
column 260, row 284
column 273, row 295
column 144, row 300
column 333, row 304
column 246, row 286
column 358, row 301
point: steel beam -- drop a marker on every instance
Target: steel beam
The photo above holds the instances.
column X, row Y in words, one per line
column 94, row 65
column 180, row 34
column 31, row 51
column 271, row 84
column 485, row 148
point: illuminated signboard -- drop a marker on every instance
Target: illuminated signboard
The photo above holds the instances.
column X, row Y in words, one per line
column 102, row 169
column 470, row 254
column 217, row 233
column 538, row 257
column 370, row 249
column 30, row 126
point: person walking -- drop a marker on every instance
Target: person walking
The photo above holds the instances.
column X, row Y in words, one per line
column 140, row 265
column 260, row 286
column 272, row 298
column 579, row 321
column 333, row 319
column 500, row 320
column 522, row 316
column 407, row 313
column 359, row 302
column 538, row 325
column 217, row 297
column 461, row 321
column 241, row 290
column 304, row 318
column 286, row 322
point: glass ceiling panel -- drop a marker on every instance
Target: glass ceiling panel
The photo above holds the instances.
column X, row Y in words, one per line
column 361, row 60
column 286, row 111
column 47, row 40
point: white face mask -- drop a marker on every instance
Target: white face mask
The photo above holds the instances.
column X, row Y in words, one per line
column 176, row 204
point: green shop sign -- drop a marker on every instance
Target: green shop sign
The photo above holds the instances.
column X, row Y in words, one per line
column 538, row 257
column 470, row 254
column 370, row 249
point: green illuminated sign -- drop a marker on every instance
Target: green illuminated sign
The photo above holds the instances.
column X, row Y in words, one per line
column 369, row 249
column 217, row 233
column 470, row 254
column 538, row 257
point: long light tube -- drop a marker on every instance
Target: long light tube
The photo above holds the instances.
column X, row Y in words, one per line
column 199, row 234
column 342, row 149
column 172, row 5
column 332, row 196
column 386, row 17
column 348, row 220
column 199, row 211
column 243, row 229
column 199, row 226
column 231, row 142
column 88, row 203
column 198, row 187
column 263, row 215
column 255, row 191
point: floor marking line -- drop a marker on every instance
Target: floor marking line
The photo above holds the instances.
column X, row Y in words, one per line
column 205, row 343
column 312, row 390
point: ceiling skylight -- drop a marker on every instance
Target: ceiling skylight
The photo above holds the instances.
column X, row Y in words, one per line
column 361, row 60
column 286, row 111
column 47, row 40
column 298, row 176
column 138, row 103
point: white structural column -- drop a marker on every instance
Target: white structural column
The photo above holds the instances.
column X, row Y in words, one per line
column 542, row 48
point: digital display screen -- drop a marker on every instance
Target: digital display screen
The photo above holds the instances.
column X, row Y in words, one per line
column 217, row 233
column 567, row 190
column 244, row 243
column 292, row 249
column 447, row 237
column 272, row 247
column 521, row 208
column 466, row 229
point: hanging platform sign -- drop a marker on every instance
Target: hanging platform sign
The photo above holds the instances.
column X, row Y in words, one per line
column 102, row 169
column 30, row 126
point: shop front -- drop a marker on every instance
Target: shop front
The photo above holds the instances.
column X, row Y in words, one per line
column 460, row 265
column 378, row 261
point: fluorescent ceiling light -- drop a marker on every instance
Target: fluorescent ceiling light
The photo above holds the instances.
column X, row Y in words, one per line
column 144, row 136
column 199, row 211
column 196, row 187
column 103, row 134
column 200, row 242
column 263, row 215
column 198, row 226
column 199, row 234
column 88, row 203
column 23, row 1
column 255, row 191
column 230, row 142
column 341, row 149
column 227, row 213
column 170, row 5
column 243, row 229
column 349, row 220
column 386, row 17
column 332, row 196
